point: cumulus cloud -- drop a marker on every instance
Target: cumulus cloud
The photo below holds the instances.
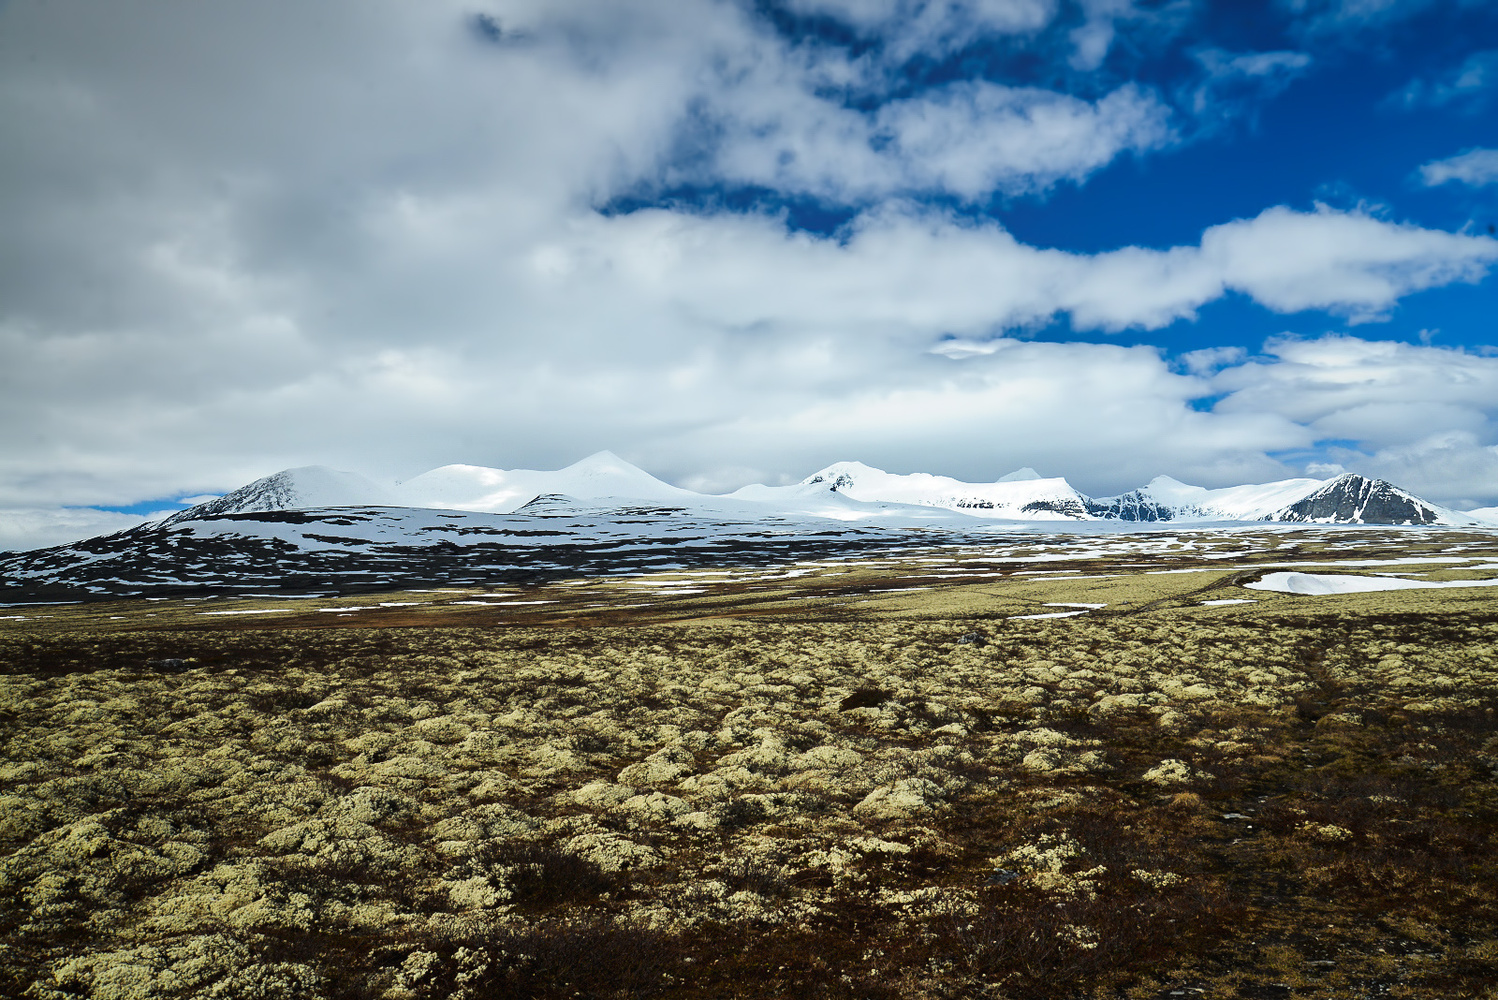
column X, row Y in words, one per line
column 1349, row 261
column 1100, row 410
column 1317, row 380
column 1454, row 466
column 1423, row 416
column 773, row 123
column 1475, row 168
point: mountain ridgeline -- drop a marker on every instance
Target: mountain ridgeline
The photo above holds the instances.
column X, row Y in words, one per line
column 317, row 530
column 845, row 490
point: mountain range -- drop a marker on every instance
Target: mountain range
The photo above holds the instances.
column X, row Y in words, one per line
column 320, row 530
column 848, row 491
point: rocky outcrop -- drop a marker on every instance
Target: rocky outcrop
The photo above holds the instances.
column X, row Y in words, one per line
column 1134, row 505
column 1352, row 499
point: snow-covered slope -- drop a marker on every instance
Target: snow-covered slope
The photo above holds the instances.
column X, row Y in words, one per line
column 1018, row 496
column 352, row 548
column 500, row 491
column 293, row 489
column 317, row 529
column 823, row 499
column 1252, row 502
column 845, row 491
column 1346, row 499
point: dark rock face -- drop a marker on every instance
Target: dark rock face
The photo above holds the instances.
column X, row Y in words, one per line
column 841, row 481
column 274, row 492
column 1351, row 499
column 1131, row 506
column 1060, row 505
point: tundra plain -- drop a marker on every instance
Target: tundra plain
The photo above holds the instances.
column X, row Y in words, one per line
column 1088, row 767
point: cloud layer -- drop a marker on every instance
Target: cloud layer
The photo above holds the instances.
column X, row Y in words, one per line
column 411, row 241
column 1474, row 168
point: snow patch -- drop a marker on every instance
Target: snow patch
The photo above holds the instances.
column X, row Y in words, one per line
column 1318, row 584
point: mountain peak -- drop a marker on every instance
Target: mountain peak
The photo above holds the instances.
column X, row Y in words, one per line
column 1354, row 499
column 1020, row 476
column 602, row 461
column 293, row 489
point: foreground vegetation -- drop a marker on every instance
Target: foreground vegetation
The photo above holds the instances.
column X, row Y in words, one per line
column 913, row 795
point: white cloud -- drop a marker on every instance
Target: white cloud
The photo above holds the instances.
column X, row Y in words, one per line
column 1349, row 17
column 1453, row 467
column 1094, row 411
column 1420, row 415
column 1314, row 381
column 386, row 255
column 933, row 27
column 1350, row 262
column 1467, row 87
column 976, row 138
column 770, row 123
column 1208, row 360
column 1094, row 36
column 1475, row 168
column 23, row 528
column 1236, row 83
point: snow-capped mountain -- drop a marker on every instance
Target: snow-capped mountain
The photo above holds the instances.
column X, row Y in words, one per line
column 319, row 529
column 1346, row 499
column 500, row 491
column 1021, row 495
column 1025, row 495
column 1362, row 501
column 292, row 489
column 845, row 491
column 1171, row 500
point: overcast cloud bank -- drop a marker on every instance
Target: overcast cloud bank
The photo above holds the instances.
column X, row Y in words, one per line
column 389, row 237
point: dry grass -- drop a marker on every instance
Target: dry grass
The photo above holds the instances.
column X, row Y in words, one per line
column 1294, row 798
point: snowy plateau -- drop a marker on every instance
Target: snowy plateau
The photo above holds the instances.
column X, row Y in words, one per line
column 320, row 529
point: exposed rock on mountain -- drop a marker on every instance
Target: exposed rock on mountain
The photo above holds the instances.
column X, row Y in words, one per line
column 1352, row 499
column 317, row 529
column 1135, row 505
column 291, row 489
column 1021, row 495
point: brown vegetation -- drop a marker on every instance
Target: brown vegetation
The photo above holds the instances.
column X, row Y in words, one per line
column 1293, row 798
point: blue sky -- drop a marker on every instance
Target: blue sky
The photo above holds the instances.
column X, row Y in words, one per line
column 736, row 241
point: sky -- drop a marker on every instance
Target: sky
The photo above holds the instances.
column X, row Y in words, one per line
column 735, row 241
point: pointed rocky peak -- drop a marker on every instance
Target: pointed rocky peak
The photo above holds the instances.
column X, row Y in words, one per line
column 1354, row 499
column 293, row 489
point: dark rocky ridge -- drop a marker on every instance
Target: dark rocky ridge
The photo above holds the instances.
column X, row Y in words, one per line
column 1134, row 505
column 1352, row 499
